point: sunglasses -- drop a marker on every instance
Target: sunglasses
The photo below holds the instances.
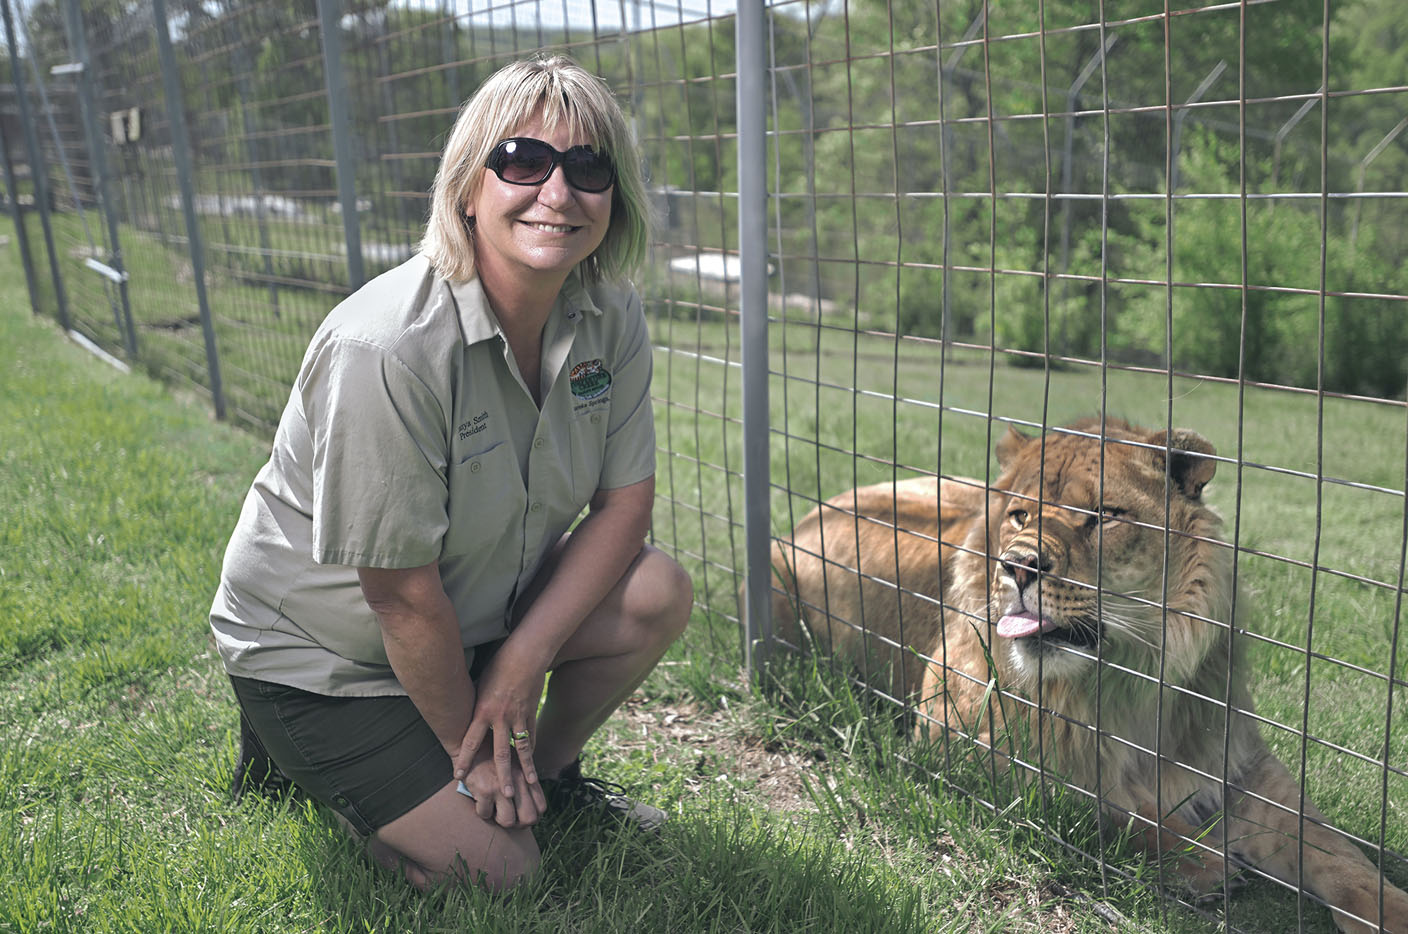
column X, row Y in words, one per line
column 523, row 160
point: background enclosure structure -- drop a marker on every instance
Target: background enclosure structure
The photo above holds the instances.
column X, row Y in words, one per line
column 976, row 215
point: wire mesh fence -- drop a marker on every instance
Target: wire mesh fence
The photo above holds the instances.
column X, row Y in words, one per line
column 977, row 217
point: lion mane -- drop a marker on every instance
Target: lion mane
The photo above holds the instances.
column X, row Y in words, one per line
column 1088, row 587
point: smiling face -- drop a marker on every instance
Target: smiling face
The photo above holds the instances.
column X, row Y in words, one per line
column 536, row 231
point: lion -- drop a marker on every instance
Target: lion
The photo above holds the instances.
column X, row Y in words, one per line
column 980, row 607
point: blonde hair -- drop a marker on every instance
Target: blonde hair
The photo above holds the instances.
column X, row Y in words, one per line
column 555, row 89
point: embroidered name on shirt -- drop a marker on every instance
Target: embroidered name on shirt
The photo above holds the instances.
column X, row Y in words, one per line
column 590, row 379
column 473, row 426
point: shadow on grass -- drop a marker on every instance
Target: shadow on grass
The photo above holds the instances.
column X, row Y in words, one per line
column 699, row 874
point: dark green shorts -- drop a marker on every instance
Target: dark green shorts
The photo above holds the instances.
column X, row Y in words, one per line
column 371, row 759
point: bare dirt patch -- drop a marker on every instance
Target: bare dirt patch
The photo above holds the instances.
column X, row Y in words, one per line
column 724, row 747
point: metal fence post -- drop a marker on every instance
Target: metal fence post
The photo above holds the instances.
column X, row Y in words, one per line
column 12, row 184
column 181, row 151
column 78, row 42
column 39, row 175
column 751, row 52
column 330, row 18
column 256, row 175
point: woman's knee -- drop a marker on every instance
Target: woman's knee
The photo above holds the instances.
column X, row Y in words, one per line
column 507, row 868
column 661, row 593
column 443, row 838
column 497, row 869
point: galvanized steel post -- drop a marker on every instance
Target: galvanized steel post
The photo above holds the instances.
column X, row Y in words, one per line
column 37, row 172
column 181, row 151
column 78, row 44
column 751, row 52
column 256, row 176
column 330, row 18
column 12, row 186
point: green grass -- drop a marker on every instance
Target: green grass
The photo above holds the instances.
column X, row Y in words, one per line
column 795, row 809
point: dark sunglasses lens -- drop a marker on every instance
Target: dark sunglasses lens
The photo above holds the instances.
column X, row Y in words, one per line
column 587, row 170
column 523, row 162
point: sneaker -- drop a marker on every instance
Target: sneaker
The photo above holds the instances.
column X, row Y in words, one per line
column 570, row 793
column 254, row 770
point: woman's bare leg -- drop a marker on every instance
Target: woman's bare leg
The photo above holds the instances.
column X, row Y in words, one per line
column 610, row 654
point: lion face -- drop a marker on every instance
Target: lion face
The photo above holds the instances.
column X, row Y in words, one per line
column 1083, row 536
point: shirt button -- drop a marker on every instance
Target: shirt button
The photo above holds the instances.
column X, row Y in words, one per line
column 536, row 507
column 474, row 467
column 596, row 418
column 538, row 443
column 339, row 801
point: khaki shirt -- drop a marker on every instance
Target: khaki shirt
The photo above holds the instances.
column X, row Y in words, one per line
column 410, row 437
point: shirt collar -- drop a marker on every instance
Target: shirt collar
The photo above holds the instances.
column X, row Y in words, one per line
column 477, row 319
column 575, row 299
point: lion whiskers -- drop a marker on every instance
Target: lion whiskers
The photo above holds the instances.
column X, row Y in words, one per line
column 1129, row 626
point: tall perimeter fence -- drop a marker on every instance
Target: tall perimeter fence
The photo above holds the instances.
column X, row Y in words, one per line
column 889, row 233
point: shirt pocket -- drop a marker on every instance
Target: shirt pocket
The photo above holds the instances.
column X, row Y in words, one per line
column 588, row 453
column 486, row 503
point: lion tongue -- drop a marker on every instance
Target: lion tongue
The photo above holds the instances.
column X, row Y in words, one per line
column 1021, row 625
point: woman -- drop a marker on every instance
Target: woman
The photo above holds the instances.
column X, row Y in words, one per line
column 402, row 578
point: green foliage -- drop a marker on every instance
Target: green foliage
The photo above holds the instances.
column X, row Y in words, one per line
column 892, row 217
column 1271, row 331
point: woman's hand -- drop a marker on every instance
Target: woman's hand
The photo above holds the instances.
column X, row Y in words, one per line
column 503, row 726
column 522, row 809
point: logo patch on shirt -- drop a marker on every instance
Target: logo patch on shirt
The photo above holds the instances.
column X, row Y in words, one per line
column 590, row 379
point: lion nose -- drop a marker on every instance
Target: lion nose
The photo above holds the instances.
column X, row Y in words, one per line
column 1024, row 566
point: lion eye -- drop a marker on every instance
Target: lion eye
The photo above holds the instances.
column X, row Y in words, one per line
column 1018, row 518
column 1107, row 515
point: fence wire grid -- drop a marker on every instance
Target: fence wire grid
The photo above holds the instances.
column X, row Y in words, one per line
column 974, row 216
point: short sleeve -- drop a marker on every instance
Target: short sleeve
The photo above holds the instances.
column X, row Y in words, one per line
column 630, row 435
column 378, row 434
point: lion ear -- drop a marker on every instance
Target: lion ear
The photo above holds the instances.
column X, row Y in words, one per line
column 1008, row 446
column 1191, row 464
